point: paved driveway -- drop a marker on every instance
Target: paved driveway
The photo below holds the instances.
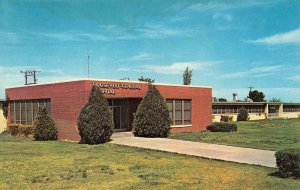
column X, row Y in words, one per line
column 220, row 152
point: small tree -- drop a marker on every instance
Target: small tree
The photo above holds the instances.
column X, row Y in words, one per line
column 152, row 116
column 243, row 115
column 95, row 121
column 256, row 96
column 149, row 80
column 222, row 100
column 187, row 76
column 43, row 126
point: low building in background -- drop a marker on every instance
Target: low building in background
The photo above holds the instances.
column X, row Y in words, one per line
column 256, row 110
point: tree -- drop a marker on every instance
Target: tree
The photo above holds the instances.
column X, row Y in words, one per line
column 149, row 80
column 222, row 100
column 95, row 123
column 243, row 115
column 256, row 96
column 187, row 76
column 43, row 126
column 275, row 100
column 152, row 116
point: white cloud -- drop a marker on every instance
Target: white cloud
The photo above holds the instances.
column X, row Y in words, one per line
column 219, row 5
column 254, row 72
column 142, row 57
column 223, row 16
column 177, row 68
column 291, row 37
column 294, row 78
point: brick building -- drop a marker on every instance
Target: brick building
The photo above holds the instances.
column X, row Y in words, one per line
column 190, row 107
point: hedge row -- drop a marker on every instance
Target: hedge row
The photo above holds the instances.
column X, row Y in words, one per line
column 222, row 127
column 20, row 130
column 288, row 162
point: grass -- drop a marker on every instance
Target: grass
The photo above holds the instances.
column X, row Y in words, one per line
column 27, row 164
column 274, row 134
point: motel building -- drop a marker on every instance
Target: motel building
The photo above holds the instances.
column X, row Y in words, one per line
column 190, row 107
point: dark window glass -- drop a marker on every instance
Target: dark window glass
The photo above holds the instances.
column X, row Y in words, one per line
column 170, row 109
column 12, row 112
column 18, row 112
column 187, row 112
column 23, row 113
column 35, row 108
column 29, row 112
column 178, row 112
column 48, row 106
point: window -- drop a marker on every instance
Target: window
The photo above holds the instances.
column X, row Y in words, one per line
column 291, row 108
column 228, row 109
column 179, row 111
column 23, row 112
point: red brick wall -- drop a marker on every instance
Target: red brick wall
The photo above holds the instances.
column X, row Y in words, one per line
column 68, row 98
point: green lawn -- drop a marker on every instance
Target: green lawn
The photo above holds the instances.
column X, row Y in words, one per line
column 274, row 134
column 27, row 164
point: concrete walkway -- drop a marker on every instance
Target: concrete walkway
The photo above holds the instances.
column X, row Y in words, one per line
column 220, row 152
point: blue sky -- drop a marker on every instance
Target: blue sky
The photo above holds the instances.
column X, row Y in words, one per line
column 229, row 46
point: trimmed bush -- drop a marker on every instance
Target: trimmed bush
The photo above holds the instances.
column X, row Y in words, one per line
column 222, row 127
column 43, row 126
column 243, row 115
column 20, row 130
column 13, row 129
column 95, row 123
column 25, row 130
column 226, row 118
column 152, row 116
column 288, row 162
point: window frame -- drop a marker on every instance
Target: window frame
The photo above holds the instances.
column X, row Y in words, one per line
column 173, row 119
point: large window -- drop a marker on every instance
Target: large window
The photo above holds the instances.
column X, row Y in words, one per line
column 180, row 111
column 23, row 112
column 291, row 108
column 231, row 109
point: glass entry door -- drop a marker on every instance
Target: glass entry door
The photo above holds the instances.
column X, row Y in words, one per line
column 116, row 111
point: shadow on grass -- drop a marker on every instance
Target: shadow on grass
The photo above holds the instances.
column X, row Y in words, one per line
column 279, row 175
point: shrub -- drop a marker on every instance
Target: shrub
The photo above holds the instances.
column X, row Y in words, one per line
column 152, row 116
column 20, row 130
column 226, row 118
column 222, row 127
column 243, row 115
column 13, row 129
column 44, row 127
column 288, row 162
column 95, row 123
column 25, row 130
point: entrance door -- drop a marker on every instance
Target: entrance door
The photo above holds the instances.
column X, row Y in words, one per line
column 117, row 116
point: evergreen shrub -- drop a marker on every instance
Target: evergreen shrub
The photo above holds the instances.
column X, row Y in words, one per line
column 222, row 127
column 152, row 116
column 243, row 115
column 95, row 123
column 288, row 162
column 44, row 128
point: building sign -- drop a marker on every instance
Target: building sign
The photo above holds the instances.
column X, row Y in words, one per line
column 111, row 88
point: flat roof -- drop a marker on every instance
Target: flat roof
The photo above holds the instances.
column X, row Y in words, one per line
column 109, row 80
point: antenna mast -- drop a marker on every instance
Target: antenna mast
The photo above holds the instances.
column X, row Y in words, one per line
column 30, row 74
column 250, row 87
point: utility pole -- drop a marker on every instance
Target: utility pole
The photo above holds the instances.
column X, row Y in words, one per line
column 30, row 74
column 250, row 87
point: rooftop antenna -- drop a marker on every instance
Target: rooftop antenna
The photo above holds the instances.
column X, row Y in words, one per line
column 250, row 87
column 30, row 74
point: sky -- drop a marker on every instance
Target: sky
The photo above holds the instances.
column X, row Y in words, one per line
column 229, row 45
